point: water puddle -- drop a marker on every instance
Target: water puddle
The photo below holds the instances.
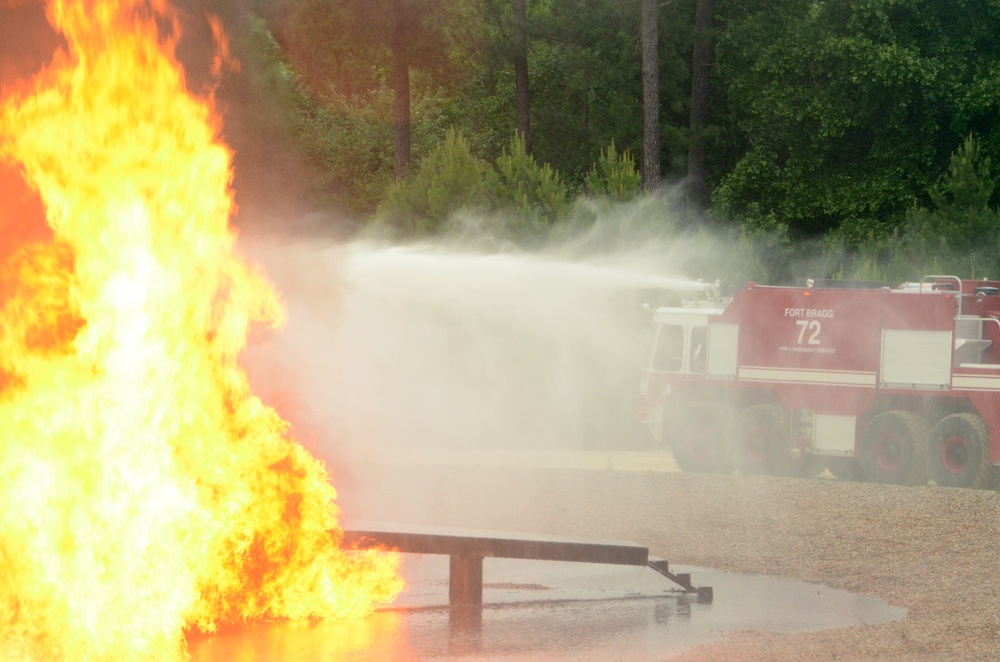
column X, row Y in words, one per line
column 556, row 611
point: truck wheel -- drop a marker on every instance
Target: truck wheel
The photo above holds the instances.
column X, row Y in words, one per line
column 843, row 468
column 894, row 448
column 761, row 438
column 958, row 452
column 699, row 436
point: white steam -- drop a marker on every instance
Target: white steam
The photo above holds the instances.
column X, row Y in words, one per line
column 390, row 351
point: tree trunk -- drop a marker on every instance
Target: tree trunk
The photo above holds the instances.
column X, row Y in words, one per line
column 401, row 90
column 401, row 93
column 701, row 63
column 650, row 170
column 521, row 89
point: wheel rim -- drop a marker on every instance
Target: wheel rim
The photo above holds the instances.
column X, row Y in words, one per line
column 697, row 443
column 757, row 444
column 889, row 451
column 955, row 454
column 696, row 448
column 689, row 443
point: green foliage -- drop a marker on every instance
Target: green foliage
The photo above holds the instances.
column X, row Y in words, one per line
column 958, row 233
column 343, row 143
column 866, row 269
column 349, row 46
column 614, row 176
column 830, row 120
column 960, row 229
column 339, row 57
column 448, row 180
column 533, row 195
column 736, row 258
column 868, row 261
column 584, row 67
column 840, row 111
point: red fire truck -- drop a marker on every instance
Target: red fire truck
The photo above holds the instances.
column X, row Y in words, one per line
column 895, row 385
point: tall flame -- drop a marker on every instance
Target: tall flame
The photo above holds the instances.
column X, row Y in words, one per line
column 146, row 492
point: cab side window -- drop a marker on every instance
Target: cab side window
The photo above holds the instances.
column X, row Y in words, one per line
column 669, row 352
column 697, row 358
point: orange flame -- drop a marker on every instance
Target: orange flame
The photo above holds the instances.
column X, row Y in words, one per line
column 146, row 491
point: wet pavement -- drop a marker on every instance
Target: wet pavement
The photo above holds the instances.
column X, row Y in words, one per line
column 554, row 611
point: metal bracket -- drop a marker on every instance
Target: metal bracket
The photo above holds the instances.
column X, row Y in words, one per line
column 682, row 579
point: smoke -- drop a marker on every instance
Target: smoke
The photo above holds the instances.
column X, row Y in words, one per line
column 27, row 41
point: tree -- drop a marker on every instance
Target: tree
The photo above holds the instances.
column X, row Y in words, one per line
column 497, row 92
column 650, row 96
column 333, row 150
column 960, row 229
column 701, row 62
column 449, row 179
column 521, row 83
column 587, row 64
column 400, row 87
column 347, row 46
column 838, row 112
column 534, row 195
column 613, row 176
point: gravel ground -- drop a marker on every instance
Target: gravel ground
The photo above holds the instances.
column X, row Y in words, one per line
column 931, row 550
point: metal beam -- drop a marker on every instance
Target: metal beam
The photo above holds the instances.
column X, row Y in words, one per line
column 468, row 547
column 499, row 544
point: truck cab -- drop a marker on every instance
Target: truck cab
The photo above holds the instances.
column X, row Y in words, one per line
column 678, row 352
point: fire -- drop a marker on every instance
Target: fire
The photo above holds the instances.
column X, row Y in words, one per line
column 146, row 492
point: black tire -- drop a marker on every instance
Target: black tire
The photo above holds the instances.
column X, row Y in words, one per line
column 843, row 468
column 760, row 439
column 894, row 449
column 699, row 438
column 958, row 452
